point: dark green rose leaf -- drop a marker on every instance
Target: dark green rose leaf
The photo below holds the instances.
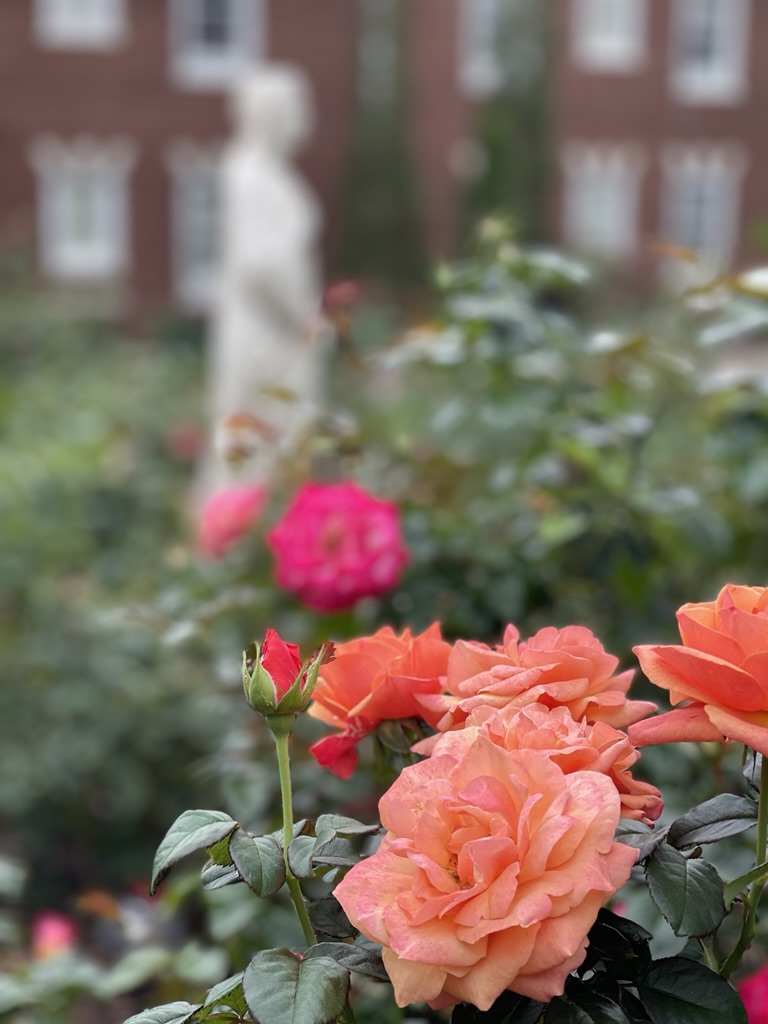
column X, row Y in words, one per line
column 337, row 853
column 509, row 1008
column 752, row 770
column 688, row 892
column 681, row 991
column 328, row 918
column 363, row 959
column 304, row 827
column 170, row 1013
column 634, row 1009
column 193, row 830
column 715, row 819
column 642, row 837
column 598, row 1007
column 215, row 876
column 281, row 989
column 620, row 944
column 733, row 888
column 300, row 856
column 563, row 1011
column 227, row 993
column 328, row 825
column 259, row 861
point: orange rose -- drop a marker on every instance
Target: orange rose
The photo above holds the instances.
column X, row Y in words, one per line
column 556, row 667
column 574, row 746
column 372, row 679
column 493, row 870
column 719, row 674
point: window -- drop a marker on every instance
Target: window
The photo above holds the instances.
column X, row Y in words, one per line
column 83, row 225
column 709, row 50
column 214, row 41
column 80, row 24
column 196, row 222
column 700, row 200
column 481, row 73
column 601, row 201
column 609, row 35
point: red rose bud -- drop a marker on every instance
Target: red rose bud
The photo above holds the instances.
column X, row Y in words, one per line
column 275, row 680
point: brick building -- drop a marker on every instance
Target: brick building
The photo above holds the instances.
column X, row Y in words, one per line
column 659, row 109
column 113, row 113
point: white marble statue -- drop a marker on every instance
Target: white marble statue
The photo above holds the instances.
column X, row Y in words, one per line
column 265, row 355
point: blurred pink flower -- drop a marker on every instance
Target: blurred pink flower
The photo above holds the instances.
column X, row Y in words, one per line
column 227, row 516
column 754, row 994
column 493, row 869
column 335, row 544
column 52, row 933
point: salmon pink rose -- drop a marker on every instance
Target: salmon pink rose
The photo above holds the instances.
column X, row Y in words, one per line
column 372, row 679
column 493, row 869
column 336, row 544
column 227, row 516
column 574, row 746
column 556, row 667
column 718, row 675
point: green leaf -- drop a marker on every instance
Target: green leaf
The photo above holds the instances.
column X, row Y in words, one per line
column 619, row 944
column 599, row 1008
column 259, row 862
column 336, row 852
column 642, row 837
column 227, row 993
column 328, row 918
column 304, row 827
column 681, row 991
column 733, row 888
column 219, row 852
column 715, row 819
column 362, row 959
column 281, row 989
column 563, row 1011
column 193, row 830
column 170, row 1013
column 688, row 892
column 509, row 1008
column 328, row 825
column 300, row 856
column 215, row 876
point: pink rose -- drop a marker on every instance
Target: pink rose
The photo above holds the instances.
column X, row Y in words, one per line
column 52, row 933
column 754, row 994
column 336, row 544
column 574, row 746
column 719, row 674
column 227, row 516
column 493, row 870
column 556, row 667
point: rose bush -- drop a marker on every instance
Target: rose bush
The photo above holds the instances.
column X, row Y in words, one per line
column 719, row 674
column 556, row 667
column 574, row 746
column 227, row 516
column 335, row 544
column 493, row 869
column 373, row 679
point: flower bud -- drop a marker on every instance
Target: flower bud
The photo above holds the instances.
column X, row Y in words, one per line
column 275, row 680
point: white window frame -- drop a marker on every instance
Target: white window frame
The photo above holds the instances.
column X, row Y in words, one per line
column 724, row 80
column 194, row 166
column 103, row 167
column 590, row 171
column 481, row 72
column 197, row 66
column 62, row 24
column 687, row 168
column 609, row 36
